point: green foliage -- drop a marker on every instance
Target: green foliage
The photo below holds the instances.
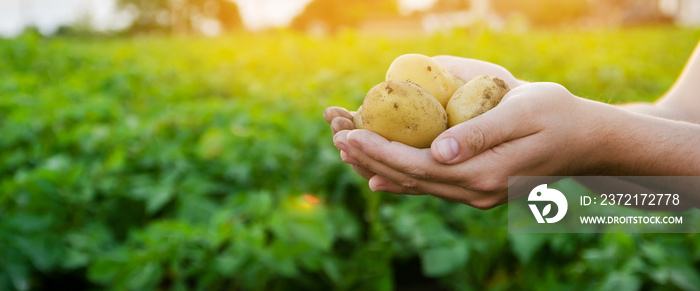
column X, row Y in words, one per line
column 204, row 164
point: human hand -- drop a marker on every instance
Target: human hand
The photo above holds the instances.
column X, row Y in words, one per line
column 341, row 119
column 464, row 68
column 539, row 129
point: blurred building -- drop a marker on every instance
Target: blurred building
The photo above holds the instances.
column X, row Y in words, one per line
column 636, row 12
column 683, row 12
column 497, row 14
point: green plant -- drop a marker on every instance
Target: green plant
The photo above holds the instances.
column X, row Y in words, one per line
column 172, row 163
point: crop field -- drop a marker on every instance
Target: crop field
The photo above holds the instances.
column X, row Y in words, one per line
column 187, row 163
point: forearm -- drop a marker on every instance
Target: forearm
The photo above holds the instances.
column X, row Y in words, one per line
column 682, row 101
column 662, row 111
column 639, row 145
column 684, row 95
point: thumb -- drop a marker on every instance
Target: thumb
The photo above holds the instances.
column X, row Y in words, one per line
column 503, row 123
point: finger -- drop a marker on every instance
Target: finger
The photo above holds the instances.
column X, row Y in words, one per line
column 355, row 151
column 402, row 182
column 340, row 141
column 355, row 165
column 365, row 173
column 347, row 158
column 526, row 156
column 332, row 112
column 448, row 192
column 379, row 183
column 412, row 162
column 341, row 123
column 400, row 155
column 408, row 166
column 508, row 121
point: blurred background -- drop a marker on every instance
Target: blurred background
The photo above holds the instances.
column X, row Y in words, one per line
column 216, row 17
column 180, row 144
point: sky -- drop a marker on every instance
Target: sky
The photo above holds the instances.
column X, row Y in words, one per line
column 48, row 15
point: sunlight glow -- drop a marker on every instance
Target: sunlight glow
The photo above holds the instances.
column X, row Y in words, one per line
column 260, row 14
column 408, row 6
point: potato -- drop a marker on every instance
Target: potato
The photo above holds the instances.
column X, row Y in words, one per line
column 424, row 72
column 404, row 112
column 477, row 96
column 357, row 119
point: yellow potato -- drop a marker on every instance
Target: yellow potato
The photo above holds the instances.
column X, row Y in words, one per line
column 424, row 72
column 404, row 112
column 477, row 96
column 357, row 119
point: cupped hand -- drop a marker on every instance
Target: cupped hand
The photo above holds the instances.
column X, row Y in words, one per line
column 342, row 119
column 463, row 68
column 539, row 129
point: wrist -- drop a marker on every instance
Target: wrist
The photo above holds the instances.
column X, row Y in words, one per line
column 601, row 138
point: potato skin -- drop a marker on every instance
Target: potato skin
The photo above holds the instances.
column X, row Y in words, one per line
column 424, row 72
column 477, row 96
column 404, row 112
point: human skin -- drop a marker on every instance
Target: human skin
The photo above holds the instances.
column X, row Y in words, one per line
column 682, row 101
column 539, row 129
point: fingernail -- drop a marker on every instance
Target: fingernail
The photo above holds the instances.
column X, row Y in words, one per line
column 376, row 186
column 448, row 148
column 379, row 189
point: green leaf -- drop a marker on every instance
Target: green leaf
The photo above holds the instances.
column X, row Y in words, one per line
column 158, row 197
column 621, row 282
column 685, row 277
column 19, row 275
column 315, row 233
column 211, row 143
column 25, row 222
column 74, row 259
column 655, row 253
column 228, row 264
column 346, row 225
column 443, row 260
column 42, row 254
column 332, row 269
column 525, row 245
column 144, row 277
column 107, row 267
column 311, row 228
